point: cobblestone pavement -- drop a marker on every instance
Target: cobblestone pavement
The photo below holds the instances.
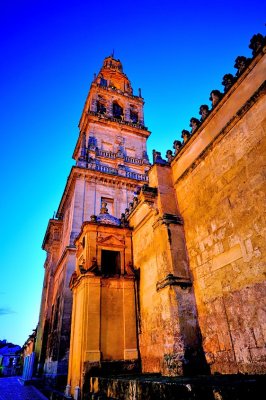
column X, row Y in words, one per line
column 11, row 389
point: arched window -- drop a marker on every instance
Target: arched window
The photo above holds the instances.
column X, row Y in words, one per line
column 117, row 111
column 101, row 109
column 103, row 82
column 134, row 116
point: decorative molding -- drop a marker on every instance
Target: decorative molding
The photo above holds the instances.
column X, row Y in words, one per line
column 67, row 250
column 110, row 240
column 171, row 280
column 261, row 91
column 168, row 219
column 109, row 118
column 95, row 177
column 227, row 94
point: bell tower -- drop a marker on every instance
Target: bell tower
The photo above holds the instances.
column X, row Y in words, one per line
column 112, row 133
column 111, row 163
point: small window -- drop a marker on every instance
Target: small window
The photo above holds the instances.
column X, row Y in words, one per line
column 103, row 82
column 117, row 111
column 101, row 109
column 111, row 264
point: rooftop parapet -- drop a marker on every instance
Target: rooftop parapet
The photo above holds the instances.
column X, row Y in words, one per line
column 242, row 63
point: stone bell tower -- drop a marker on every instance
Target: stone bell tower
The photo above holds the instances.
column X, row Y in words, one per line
column 112, row 133
column 111, row 163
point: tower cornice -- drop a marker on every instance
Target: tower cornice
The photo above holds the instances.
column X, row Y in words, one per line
column 103, row 89
column 95, row 175
column 52, row 223
column 124, row 126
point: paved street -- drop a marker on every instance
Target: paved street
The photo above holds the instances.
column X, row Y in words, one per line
column 11, row 389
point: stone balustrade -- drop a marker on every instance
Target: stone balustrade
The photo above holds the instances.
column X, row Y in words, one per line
column 113, row 155
column 114, row 171
column 133, row 160
column 106, row 153
column 106, row 169
column 135, row 175
column 137, row 125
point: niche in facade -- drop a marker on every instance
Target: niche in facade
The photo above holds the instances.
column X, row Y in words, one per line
column 111, row 262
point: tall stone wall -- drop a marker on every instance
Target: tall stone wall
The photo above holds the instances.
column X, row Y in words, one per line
column 222, row 201
column 169, row 340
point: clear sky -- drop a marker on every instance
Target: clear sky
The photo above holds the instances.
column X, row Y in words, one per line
column 176, row 51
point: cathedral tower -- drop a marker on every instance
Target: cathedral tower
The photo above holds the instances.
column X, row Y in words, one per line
column 111, row 163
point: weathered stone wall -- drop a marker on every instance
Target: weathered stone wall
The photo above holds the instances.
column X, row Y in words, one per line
column 150, row 340
column 85, row 199
column 169, row 339
column 104, row 305
column 109, row 139
column 222, row 201
column 120, row 147
column 51, row 244
column 56, row 362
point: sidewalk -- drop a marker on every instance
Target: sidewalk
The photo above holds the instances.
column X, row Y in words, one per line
column 11, row 389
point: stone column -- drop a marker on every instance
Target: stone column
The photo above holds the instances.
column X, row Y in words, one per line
column 94, row 104
column 141, row 115
column 130, row 337
column 109, row 108
column 91, row 319
column 127, row 112
column 85, row 328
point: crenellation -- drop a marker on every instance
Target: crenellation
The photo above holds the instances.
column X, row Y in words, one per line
column 241, row 64
column 215, row 97
column 257, row 44
column 228, row 81
column 204, row 112
column 194, row 124
column 169, row 156
column 185, row 136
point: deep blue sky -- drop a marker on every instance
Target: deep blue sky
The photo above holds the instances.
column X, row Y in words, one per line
column 177, row 52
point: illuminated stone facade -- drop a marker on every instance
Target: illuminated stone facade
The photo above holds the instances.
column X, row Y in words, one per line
column 220, row 186
column 172, row 278
column 214, row 189
column 111, row 164
column 104, row 319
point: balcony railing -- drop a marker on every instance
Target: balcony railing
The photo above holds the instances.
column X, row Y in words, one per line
column 113, row 156
column 137, row 125
column 133, row 160
column 107, row 170
column 113, row 171
column 105, row 153
column 135, row 175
